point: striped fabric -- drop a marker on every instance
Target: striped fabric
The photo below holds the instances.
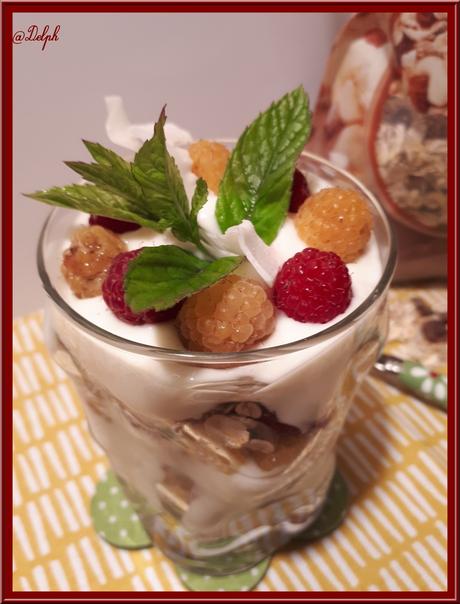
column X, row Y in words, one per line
column 392, row 453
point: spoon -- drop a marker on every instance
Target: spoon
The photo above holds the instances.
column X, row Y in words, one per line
column 413, row 378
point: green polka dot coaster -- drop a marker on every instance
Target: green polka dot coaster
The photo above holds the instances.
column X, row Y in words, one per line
column 244, row 581
column 117, row 522
column 332, row 514
column 114, row 517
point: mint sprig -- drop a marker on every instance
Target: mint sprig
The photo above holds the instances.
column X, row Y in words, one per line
column 156, row 171
column 258, row 179
column 149, row 190
column 161, row 276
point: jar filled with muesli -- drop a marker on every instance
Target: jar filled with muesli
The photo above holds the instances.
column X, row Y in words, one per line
column 382, row 114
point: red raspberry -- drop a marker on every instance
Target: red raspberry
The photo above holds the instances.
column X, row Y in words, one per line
column 312, row 286
column 114, row 225
column 114, row 294
column 299, row 191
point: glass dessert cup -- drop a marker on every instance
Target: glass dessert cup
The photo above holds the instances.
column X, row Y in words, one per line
column 226, row 457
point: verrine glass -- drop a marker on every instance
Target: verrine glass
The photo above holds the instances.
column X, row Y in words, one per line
column 226, row 457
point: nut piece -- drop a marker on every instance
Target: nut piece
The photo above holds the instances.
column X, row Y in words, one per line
column 422, row 306
column 435, row 330
column 175, row 492
column 261, row 446
column 227, row 430
column 249, row 409
column 418, row 90
column 248, row 422
column 434, row 69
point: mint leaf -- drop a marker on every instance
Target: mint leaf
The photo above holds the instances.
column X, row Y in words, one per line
column 258, row 179
column 156, row 171
column 161, row 276
column 104, row 156
column 96, row 200
column 112, row 173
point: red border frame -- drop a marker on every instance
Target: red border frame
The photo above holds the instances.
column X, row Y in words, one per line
column 8, row 9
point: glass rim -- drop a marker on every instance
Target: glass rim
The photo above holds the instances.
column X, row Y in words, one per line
column 249, row 356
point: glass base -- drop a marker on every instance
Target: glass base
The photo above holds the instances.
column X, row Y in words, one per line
column 116, row 520
column 242, row 581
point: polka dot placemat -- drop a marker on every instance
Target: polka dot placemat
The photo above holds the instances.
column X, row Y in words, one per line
column 114, row 518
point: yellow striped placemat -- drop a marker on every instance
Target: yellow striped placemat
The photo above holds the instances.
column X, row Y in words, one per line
column 392, row 453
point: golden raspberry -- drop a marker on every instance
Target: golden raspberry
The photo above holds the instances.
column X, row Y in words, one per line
column 335, row 220
column 231, row 315
column 86, row 262
column 209, row 162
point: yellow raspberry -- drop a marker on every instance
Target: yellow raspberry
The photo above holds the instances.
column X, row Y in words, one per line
column 86, row 262
column 231, row 315
column 209, row 161
column 335, row 220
